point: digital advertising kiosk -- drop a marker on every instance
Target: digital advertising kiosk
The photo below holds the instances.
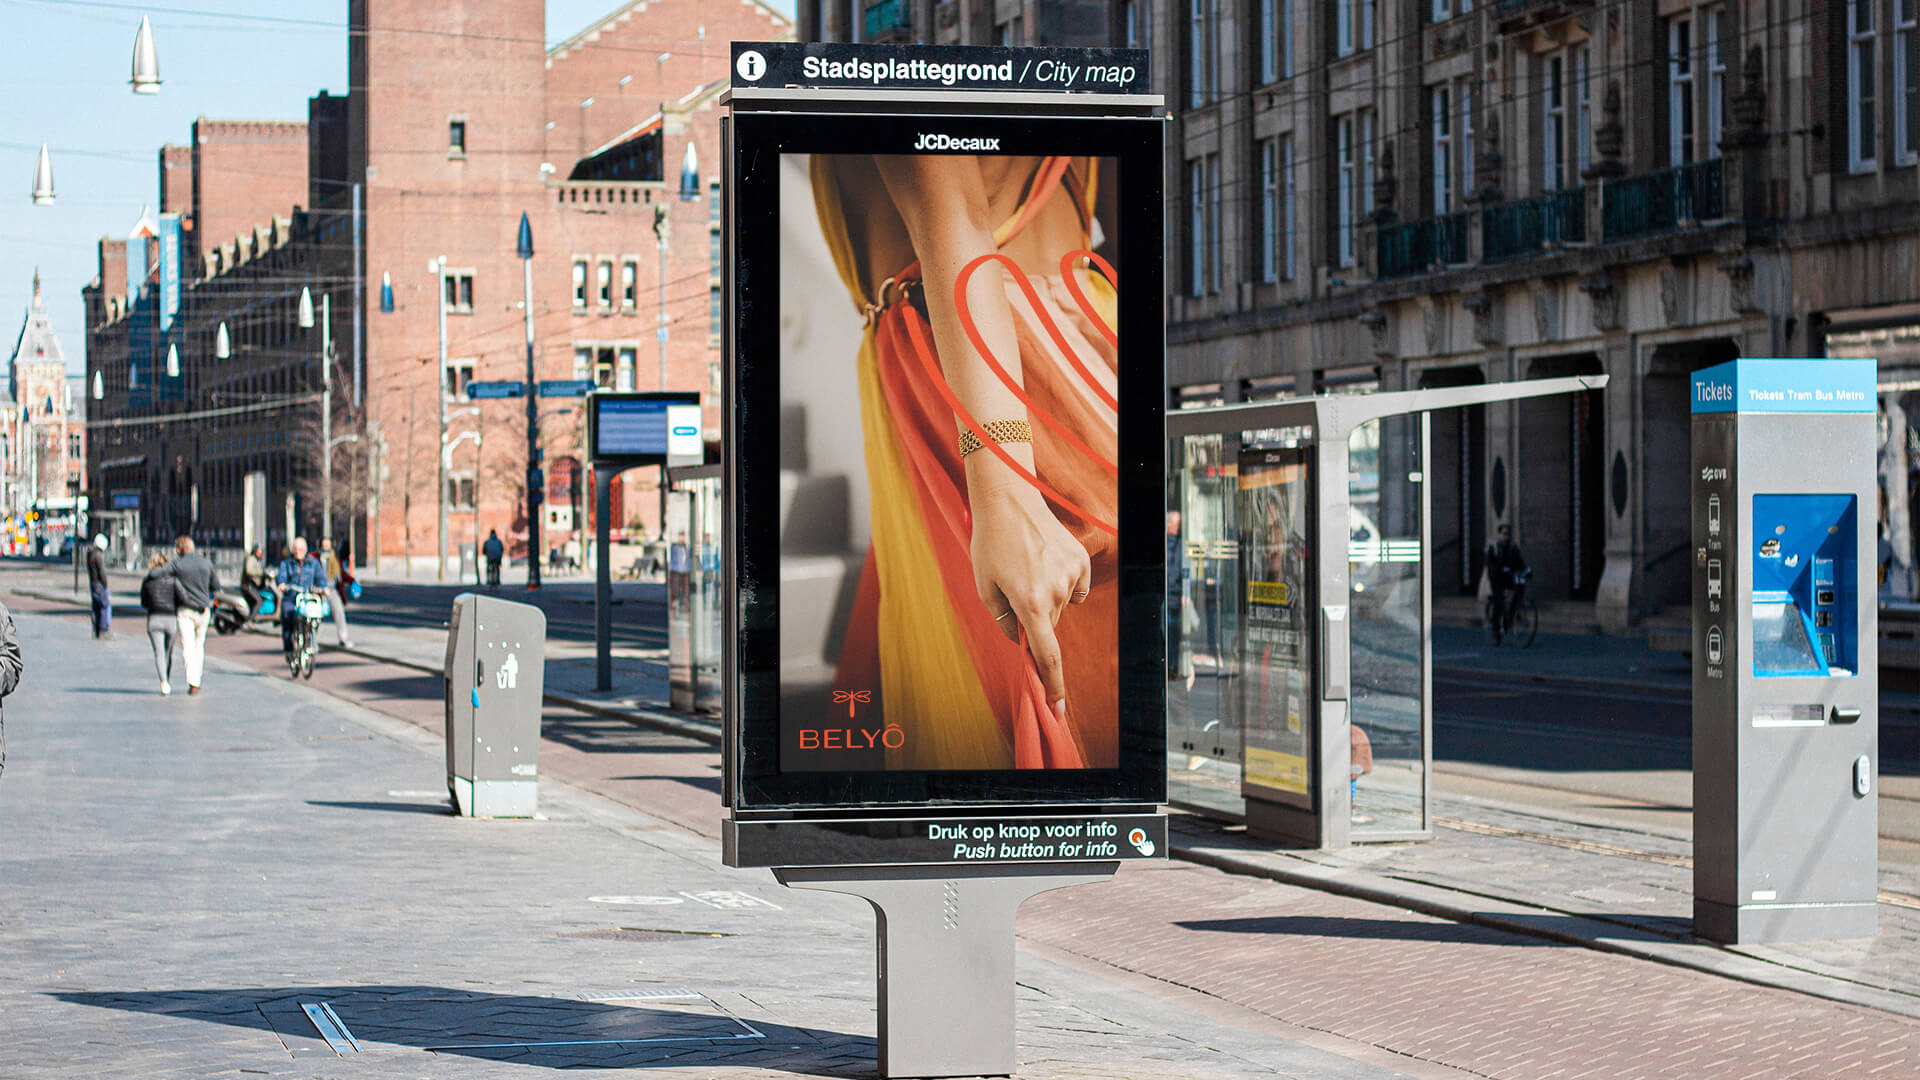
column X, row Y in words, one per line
column 1785, row 659
column 944, row 462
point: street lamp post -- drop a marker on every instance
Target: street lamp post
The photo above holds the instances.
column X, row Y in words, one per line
column 326, row 402
column 440, row 302
column 536, row 479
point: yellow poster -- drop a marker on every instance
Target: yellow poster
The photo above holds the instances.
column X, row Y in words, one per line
column 1273, row 769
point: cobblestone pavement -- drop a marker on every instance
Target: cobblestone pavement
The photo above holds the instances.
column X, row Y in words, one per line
column 187, row 883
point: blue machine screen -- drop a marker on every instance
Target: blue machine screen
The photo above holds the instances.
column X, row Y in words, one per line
column 1805, row 594
column 633, row 428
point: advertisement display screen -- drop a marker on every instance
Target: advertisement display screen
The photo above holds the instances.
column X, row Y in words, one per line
column 1274, row 499
column 947, row 459
column 641, row 427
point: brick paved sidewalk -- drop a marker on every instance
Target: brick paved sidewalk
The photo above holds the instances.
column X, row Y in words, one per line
column 1429, row 993
column 186, row 882
column 1473, row 998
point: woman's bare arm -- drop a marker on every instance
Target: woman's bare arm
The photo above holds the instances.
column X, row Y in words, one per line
column 1024, row 560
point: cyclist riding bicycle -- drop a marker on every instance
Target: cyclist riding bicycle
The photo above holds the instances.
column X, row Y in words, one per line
column 299, row 572
column 1506, row 580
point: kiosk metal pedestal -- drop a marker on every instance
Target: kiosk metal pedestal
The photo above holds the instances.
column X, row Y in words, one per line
column 944, row 949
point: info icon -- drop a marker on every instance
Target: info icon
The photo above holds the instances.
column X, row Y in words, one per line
column 751, row 65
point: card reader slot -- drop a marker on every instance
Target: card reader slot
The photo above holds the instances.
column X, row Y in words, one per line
column 1789, row 716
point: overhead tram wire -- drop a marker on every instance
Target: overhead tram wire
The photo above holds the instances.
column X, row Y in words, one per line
column 203, row 414
column 648, row 47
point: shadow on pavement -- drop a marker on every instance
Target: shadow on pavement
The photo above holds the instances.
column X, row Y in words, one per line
column 423, row 687
column 1374, row 929
column 653, row 1026
column 704, row 783
column 593, row 734
column 394, row 807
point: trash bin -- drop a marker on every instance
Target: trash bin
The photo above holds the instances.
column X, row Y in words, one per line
column 469, row 563
column 495, row 677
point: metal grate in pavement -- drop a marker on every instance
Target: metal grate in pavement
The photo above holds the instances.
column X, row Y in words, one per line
column 360, row 1023
column 642, row 933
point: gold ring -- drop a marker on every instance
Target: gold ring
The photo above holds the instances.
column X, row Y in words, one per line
column 1005, row 614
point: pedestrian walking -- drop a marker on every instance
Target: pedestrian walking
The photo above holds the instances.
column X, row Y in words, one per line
column 97, row 587
column 160, row 595
column 197, row 579
column 494, row 550
column 337, row 581
column 10, row 671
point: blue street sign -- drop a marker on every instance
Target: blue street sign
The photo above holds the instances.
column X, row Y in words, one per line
column 566, row 387
column 502, row 389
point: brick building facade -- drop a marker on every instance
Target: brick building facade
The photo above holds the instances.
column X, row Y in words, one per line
column 1404, row 193
column 43, row 444
column 449, row 137
column 456, row 138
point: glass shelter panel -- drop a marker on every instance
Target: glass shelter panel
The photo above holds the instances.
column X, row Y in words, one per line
column 1203, row 616
column 693, row 594
column 1385, row 559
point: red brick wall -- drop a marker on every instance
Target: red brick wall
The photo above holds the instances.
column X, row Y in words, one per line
column 693, row 34
column 113, row 273
column 176, row 179
column 422, row 202
column 245, row 173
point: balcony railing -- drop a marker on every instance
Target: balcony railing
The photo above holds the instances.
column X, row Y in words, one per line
column 1418, row 246
column 1661, row 201
column 1530, row 226
column 887, row 16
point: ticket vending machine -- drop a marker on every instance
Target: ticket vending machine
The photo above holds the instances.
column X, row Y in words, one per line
column 1785, row 665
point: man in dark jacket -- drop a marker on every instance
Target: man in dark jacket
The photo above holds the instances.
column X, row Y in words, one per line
column 198, row 582
column 494, row 550
column 10, row 669
column 1504, row 564
column 97, row 582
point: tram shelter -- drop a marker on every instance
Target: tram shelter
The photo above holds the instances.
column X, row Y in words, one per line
column 1299, row 611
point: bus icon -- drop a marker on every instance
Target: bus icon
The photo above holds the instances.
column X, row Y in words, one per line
column 1713, row 579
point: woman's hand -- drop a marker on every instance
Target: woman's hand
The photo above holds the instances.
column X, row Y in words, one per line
column 1027, row 568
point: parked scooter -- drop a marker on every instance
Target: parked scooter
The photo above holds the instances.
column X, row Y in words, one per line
column 234, row 608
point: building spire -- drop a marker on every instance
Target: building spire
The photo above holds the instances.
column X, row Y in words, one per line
column 36, row 288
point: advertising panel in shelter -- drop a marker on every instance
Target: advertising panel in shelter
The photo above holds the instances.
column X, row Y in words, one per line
column 948, row 445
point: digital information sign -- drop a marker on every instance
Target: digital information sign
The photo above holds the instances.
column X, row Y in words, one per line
column 644, row 428
column 945, row 452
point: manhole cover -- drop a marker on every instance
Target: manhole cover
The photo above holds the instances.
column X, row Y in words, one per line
column 353, row 1023
column 640, row 933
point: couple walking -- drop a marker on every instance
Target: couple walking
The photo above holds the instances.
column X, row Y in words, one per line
column 178, row 596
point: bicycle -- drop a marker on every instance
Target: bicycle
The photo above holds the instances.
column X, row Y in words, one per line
column 309, row 608
column 1522, row 621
